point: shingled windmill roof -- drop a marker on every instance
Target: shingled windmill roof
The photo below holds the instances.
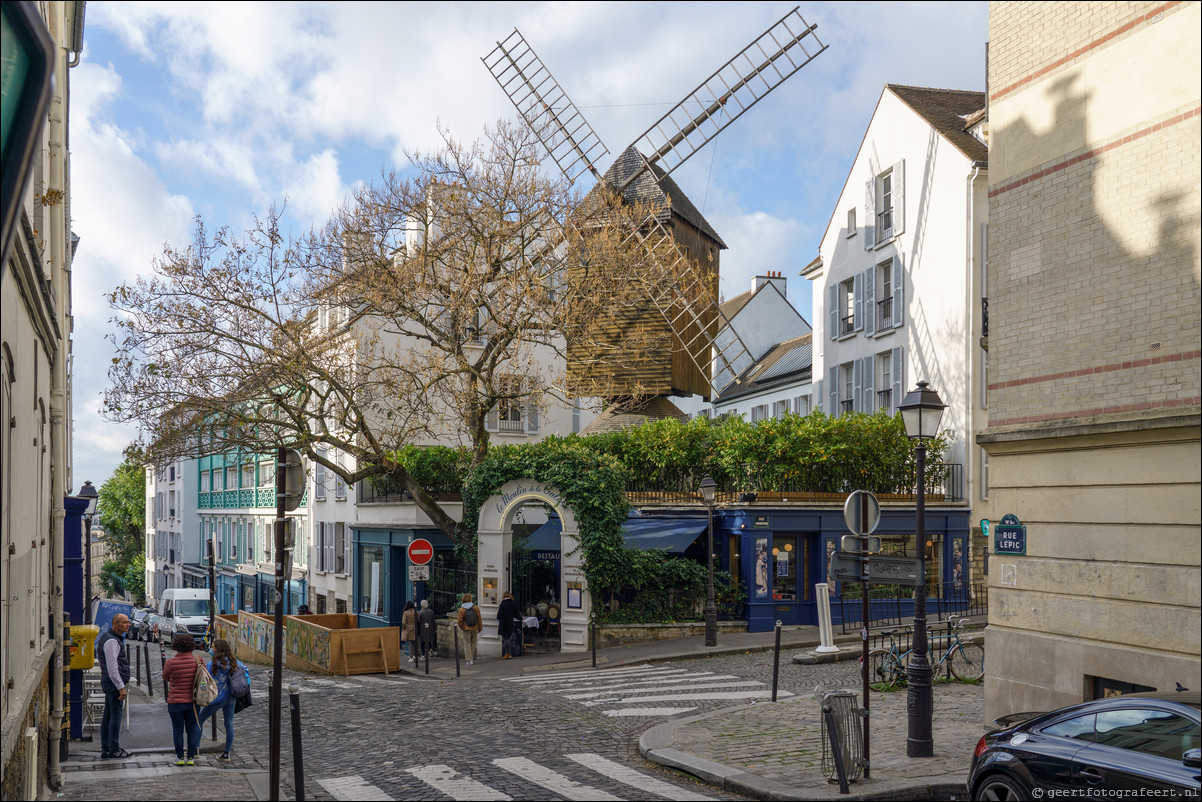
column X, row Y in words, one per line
column 624, row 416
column 658, row 189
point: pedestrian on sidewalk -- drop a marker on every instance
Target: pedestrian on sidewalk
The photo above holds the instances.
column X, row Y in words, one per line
column 426, row 627
column 114, row 676
column 180, row 674
column 224, row 669
column 469, row 626
column 409, row 630
column 506, row 616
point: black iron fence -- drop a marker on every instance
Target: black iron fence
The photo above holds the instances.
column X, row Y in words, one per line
column 891, row 605
column 448, row 581
column 820, row 483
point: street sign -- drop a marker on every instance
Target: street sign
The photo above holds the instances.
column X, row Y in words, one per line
column 862, row 513
column 882, row 570
column 856, row 544
column 1010, row 536
column 421, row 551
column 419, row 573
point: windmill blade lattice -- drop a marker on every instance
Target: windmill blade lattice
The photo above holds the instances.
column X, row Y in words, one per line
column 545, row 106
column 739, row 84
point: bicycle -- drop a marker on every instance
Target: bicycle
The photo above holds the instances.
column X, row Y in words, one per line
column 966, row 659
column 887, row 667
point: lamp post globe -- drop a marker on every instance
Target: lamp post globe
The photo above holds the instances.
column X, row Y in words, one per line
column 921, row 412
column 709, row 491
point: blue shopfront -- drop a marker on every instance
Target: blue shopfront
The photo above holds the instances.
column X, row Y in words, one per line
column 782, row 553
column 253, row 593
column 381, row 571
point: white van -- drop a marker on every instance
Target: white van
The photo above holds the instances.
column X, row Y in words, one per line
column 183, row 610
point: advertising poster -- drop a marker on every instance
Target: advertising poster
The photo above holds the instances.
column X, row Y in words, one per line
column 761, row 567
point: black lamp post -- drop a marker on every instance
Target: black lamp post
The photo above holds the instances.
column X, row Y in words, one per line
column 709, row 489
column 89, row 493
column 921, row 410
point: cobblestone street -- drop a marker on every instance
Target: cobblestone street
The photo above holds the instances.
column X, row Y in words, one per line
column 406, row 737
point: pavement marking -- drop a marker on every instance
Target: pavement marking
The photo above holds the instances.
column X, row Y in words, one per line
column 646, row 688
column 552, row 781
column 353, row 789
column 390, row 680
column 455, row 785
column 646, row 711
column 629, row 776
column 594, row 672
column 588, row 677
column 681, row 697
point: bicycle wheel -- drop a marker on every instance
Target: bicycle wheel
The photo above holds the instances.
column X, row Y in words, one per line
column 885, row 672
column 968, row 661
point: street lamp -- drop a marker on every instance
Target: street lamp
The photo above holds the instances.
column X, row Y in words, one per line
column 920, row 410
column 709, row 489
column 89, row 493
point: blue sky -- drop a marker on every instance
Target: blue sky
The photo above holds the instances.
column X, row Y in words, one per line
column 221, row 109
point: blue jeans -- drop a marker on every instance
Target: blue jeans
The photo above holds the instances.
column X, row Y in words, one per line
column 110, row 724
column 183, row 717
column 227, row 710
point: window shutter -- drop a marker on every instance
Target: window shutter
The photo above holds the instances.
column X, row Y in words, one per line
column 832, row 317
column 899, row 379
column 857, row 288
column 818, row 395
column 490, row 419
column 870, row 301
column 347, row 551
column 575, row 416
column 899, row 283
column 833, row 390
column 857, row 393
column 869, row 383
column 319, row 480
column 531, row 409
column 899, row 198
column 869, row 214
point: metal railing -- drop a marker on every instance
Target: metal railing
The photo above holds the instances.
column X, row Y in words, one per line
column 892, row 605
column 884, row 314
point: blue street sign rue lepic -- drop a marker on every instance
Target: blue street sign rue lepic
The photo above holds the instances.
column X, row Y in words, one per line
column 1010, row 536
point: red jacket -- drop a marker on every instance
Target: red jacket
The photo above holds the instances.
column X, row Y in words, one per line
column 180, row 672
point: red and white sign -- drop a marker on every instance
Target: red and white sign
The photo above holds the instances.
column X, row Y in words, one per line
column 421, row 551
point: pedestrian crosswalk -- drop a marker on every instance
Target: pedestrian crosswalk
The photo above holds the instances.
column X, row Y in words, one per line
column 522, row 773
column 629, row 691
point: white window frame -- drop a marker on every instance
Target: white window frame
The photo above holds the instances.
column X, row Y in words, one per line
column 759, row 412
column 851, row 222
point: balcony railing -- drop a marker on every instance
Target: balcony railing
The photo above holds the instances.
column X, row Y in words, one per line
column 884, row 400
column 884, row 314
column 847, row 325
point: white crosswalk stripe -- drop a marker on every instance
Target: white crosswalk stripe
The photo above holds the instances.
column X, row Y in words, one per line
column 353, row 788
column 553, row 781
column 454, row 784
column 626, row 691
column 629, row 776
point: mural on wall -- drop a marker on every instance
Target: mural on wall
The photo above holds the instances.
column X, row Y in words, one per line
column 256, row 633
column 309, row 643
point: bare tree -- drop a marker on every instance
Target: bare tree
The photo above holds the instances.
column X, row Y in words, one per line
column 426, row 305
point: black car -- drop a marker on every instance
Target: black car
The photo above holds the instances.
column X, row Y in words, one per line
column 1138, row 743
column 135, row 622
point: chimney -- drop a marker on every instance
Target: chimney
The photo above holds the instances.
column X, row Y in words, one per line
column 770, row 277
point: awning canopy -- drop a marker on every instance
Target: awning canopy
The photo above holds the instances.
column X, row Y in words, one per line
column 674, row 535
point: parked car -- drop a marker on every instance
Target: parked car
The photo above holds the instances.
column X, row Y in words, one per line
column 135, row 622
column 1112, row 746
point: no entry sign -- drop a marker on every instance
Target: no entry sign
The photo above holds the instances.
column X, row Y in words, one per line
column 421, row 551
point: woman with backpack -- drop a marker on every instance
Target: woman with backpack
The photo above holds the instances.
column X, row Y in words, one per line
column 469, row 627
column 180, row 675
column 233, row 682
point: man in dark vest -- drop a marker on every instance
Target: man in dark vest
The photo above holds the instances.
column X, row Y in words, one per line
column 114, row 676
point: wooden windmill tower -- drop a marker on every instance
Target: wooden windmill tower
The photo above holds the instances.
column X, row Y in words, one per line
column 683, row 313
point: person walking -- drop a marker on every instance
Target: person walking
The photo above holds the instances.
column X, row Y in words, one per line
column 469, row 627
column 223, row 667
column 180, row 674
column 426, row 627
column 409, row 630
column 506, row 616
column 114, row 676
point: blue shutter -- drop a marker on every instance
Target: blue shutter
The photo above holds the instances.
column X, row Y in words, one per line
column 899, row 283
column 899, row 198
column 869, row 383
column 870, row 214
column 819, row 403
column 857, row 392
column 899, row 378
column 870, row 301
column 832, row 392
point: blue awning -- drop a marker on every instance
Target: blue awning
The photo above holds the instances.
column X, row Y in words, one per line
column 674, row 535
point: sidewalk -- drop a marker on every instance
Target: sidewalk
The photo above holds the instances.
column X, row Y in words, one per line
column 774, row 751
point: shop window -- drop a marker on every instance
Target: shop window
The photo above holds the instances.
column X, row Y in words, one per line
column 784, row 568
column 371, row 580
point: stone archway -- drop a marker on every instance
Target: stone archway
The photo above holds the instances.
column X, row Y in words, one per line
column 495, row 546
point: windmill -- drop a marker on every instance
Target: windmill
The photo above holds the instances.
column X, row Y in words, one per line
column 678, row 239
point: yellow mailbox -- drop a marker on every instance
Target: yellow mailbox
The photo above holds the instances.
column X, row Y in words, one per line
column 83, row 637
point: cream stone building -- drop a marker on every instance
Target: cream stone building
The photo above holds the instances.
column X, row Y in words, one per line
column 1094, row 390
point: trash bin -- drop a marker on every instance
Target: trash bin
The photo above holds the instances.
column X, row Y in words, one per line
column 841, row 713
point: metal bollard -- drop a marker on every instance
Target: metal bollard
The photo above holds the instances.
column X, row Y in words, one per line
column 592, row 636
column 455, row 637
column 776, row 662
column 150, row 679
column 298, row 763
column 137, row 663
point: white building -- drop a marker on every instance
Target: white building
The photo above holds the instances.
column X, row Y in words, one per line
column 900, row 277
column 173, row 549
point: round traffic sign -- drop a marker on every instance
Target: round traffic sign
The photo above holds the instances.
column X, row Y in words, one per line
column 421, row 551
column 862, row 513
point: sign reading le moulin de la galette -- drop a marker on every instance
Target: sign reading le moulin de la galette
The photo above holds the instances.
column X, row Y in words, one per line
column 1010, row 536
